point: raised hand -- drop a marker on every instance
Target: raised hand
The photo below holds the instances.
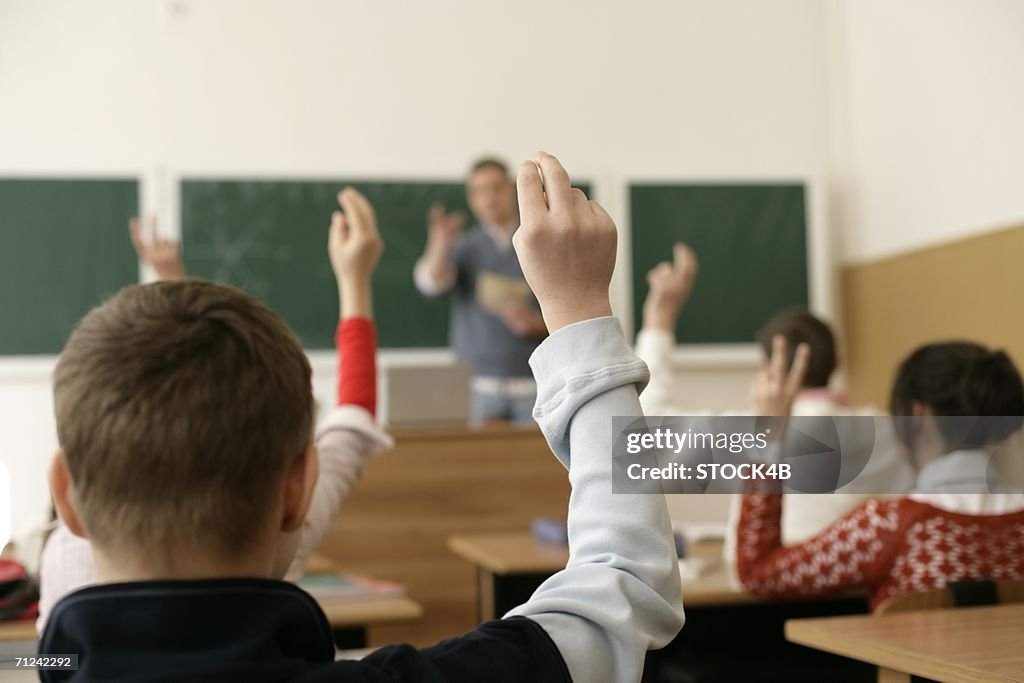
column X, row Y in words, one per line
column 443, row 228
column 354, row 246
column 775, row 387
column 161, row 254
column 565, row 244
column 669, row 287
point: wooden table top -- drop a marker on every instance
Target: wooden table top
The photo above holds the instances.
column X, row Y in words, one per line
column 23, row 629
column 364, row 611
column 519, row 553
column 960, row 645
column 348, row 613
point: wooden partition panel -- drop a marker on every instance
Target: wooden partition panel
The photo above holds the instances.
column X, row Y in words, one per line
column 436, row 482
column 969, row 289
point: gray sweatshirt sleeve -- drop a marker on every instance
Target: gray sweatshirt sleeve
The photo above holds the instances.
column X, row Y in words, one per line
column 620, row 593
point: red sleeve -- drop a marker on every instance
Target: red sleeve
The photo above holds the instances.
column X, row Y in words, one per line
column 357, row 363
column 855, row 551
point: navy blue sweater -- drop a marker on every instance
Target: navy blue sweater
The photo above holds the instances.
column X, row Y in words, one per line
column 264, row 631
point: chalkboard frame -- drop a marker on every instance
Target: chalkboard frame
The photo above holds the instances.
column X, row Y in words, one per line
column 821, row 261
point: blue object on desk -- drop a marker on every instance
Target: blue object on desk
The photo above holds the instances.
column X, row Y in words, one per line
column 680, row 542
column 547, row 530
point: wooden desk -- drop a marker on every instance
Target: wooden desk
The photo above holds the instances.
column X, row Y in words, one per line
column 351, row 619
column 965, row 645
column 23, row 629
column 511, row 565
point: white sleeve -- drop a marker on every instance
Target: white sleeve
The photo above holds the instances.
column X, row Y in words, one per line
column 655, row 347
column 428, row 284
column 620, row 593
column 347, row 439
column 66, row 565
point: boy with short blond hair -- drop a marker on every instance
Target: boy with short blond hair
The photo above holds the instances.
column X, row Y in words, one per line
column 205, row 609
column 224, row 384
column 347, row 437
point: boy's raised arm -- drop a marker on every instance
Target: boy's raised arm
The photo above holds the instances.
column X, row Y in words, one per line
column 434, row 273
column 161, row 254
column 620, row 593
column 355, row 247
column 668, row 288
column 349, row 435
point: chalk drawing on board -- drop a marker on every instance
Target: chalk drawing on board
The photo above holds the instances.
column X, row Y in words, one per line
column 236, row 256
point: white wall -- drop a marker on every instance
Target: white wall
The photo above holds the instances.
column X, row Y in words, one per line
column 695, row 88
column 930, row 139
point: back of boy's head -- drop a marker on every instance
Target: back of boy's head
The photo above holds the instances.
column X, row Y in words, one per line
column 798, row 326
column 959, row 379
column 179, row 405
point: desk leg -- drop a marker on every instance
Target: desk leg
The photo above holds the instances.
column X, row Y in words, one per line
column 484, row 594
column 351, row 638
column 892, row 676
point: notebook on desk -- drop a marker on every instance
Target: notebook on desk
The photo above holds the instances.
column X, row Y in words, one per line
column 345, row 587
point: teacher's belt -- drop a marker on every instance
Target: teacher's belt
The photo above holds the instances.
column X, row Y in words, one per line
column 512, row 387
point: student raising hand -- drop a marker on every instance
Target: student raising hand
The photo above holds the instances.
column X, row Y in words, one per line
column 355, row 246
column 565, row 243
column 443, row 231
column 669, row 287
column 776, row 386
column 159, row 253
column 443, row 228
column 619, row 596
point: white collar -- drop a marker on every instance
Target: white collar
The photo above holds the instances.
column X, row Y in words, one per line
column 971, row 471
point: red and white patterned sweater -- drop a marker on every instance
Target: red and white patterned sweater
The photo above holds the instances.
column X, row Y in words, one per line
column 888, row 546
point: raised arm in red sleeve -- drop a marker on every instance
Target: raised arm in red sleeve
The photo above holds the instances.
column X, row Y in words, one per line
column 357, row 363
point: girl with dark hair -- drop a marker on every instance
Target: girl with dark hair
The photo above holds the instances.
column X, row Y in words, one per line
column 961, row 522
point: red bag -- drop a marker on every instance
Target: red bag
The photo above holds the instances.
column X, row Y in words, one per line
column 18, row 592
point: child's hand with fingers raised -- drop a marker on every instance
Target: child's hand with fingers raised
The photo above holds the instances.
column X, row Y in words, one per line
column 443, row 228
column 669, row 286
column 355, row 246
column 161, row 254
column 776, row 386
column 565, row 244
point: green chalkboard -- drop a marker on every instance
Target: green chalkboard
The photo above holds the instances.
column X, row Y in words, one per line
column 750, row 239
column 64, row 247
column 269, row 237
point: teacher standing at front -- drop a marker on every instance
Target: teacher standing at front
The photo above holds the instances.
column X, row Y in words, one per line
column 496, row 322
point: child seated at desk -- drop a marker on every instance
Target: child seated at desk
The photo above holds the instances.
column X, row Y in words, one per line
column 669, row 287
column 958, row 525
column 184, row 507
column 347, row 438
